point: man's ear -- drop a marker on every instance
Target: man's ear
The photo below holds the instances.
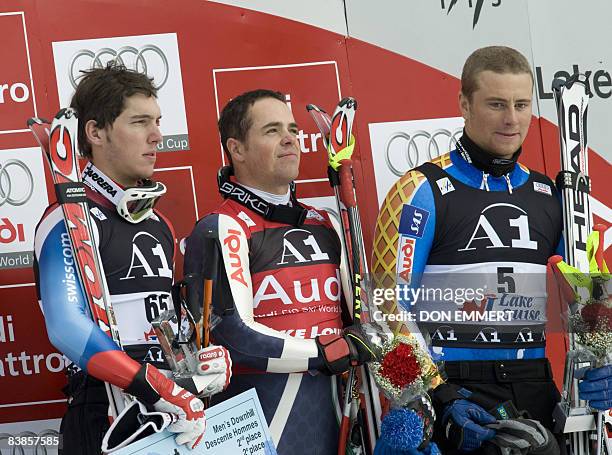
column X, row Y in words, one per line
column 236, row 150
column 95, row 135
column 464, row 105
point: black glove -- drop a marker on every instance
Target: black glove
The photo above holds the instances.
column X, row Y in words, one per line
column 523, row 436
column 340, row 352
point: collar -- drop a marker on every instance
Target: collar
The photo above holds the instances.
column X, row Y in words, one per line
column 483, row 160
column 102, row 184
column 276, row 199
column 229, row 188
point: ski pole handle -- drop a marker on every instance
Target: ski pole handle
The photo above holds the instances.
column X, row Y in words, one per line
column 345, row 174
column 599, row 252
column 208, row 284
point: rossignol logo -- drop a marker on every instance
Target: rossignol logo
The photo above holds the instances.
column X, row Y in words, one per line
column 598, row 81
column 477, row 5
column 245, row 198
column 102, row 184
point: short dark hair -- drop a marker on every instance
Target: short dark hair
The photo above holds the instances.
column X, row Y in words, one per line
column 499, row 59
column 101, row 95
column 235, row 121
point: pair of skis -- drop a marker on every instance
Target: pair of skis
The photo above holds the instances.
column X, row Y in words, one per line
column 58, row 142
column 573, row 181
column 357, row 430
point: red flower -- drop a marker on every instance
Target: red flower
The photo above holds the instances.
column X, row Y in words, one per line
column 400, row 366
column 594, row 313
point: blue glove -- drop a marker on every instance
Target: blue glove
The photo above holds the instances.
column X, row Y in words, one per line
column 597, row 387
column 462, row 421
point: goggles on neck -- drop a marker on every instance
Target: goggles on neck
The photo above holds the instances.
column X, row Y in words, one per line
column 137, row 202
column 134, row 204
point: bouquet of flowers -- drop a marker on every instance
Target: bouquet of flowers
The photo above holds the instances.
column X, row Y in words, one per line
column 589, row 320
column 404, row 372
column 590, row 316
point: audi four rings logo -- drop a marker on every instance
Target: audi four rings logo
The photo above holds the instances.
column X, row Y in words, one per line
column 139, row 60
column 418, row 147
column 12, row 183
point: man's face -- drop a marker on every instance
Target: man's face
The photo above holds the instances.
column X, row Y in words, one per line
column 127, row 149
column 497, row 117
column 269, row 156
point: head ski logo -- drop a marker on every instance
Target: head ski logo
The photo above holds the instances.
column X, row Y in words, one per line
column 477, row 9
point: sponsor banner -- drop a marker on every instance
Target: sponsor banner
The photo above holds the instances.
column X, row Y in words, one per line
column 296, row 82
column 36, row 436
column 400, row 146
column 155, row 55
column 27, row 360
column 23, row 198
column 558, row 55
column 17, row 99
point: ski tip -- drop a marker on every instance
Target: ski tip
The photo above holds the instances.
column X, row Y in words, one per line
column 314, row 107
column 349, row 102
column 65, row 112
column 558, row 84
column 60, row 113
column 37, row 121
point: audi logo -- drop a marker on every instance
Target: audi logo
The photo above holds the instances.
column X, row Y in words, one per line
column 418, row 147
column 11, row 181
column 28, row 442
column 140, row 60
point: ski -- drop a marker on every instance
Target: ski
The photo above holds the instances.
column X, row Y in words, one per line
column 58, row 142
column 573, row 182
column 336, row 132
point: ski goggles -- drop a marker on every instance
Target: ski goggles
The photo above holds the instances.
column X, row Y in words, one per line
column 137, row 203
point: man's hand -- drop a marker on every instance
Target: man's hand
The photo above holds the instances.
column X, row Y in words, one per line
column 463, row 425
column 151, row 387
column 597, row 387
column 340, row 352
column 214, row 368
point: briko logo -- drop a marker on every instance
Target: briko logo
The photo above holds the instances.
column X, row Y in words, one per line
column 477, row 5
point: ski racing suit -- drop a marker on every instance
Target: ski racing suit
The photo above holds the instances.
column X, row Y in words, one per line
column 137, row 260
column 450, row 226
column 285, row 287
